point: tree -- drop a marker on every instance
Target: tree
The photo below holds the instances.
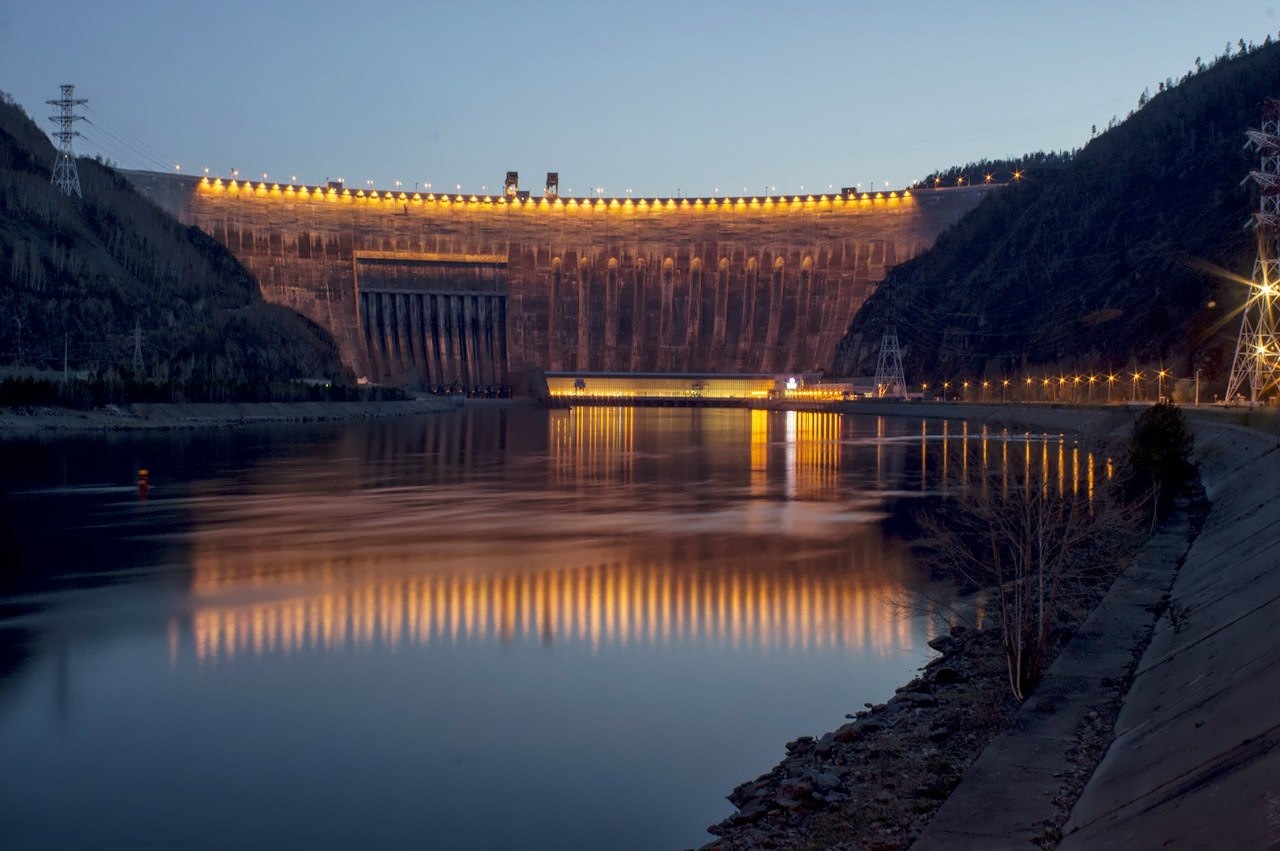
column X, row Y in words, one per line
column 1043, row 550
column 1159, row 465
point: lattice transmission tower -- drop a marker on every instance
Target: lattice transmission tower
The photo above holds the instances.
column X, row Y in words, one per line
column 1257, row 360
column 889, row 380
column 137, row 349
column 65, row 174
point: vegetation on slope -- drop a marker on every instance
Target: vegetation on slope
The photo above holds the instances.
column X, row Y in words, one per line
column 1104, row 264
column 84, row 273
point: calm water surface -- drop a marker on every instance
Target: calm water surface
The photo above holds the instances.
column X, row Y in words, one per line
column 491, row 629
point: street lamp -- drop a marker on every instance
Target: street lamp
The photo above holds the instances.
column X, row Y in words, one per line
column 1136, row 376
column 1111, row 382
column 1160, row 384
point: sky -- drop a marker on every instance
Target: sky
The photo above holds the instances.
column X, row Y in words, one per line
column 659, row 98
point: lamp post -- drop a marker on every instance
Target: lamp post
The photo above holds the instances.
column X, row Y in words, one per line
column 1197, row 388
column 1136, row 376
column 1160, row 384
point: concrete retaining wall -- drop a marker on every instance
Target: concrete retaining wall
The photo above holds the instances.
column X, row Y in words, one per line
column 1195, row 763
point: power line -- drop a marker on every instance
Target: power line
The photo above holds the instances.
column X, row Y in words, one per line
column 136, row 143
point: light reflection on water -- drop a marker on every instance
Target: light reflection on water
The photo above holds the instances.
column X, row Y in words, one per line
column 480, row 630
column 624, row 597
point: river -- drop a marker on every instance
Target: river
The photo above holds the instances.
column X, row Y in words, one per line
column 489, row 629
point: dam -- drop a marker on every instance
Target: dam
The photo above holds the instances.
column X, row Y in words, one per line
column 470, row 292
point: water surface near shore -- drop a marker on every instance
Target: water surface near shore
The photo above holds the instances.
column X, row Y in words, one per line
column 481, row 629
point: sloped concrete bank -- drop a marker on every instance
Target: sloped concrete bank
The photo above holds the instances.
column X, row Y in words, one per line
column 1195, row 762
column 1015, row 792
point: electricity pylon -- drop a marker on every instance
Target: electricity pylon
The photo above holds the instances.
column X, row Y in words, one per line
column 889, row 380
column 137, row 350
column 65, row 174
column 1257, row 359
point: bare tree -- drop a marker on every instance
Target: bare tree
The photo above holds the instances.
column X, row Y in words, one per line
column 1041, row 548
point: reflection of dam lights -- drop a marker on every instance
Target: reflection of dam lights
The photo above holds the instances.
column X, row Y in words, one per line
column 594, row 444
column 1046, row 459
column 808, row 449
column 599, row 605
column 812, row 455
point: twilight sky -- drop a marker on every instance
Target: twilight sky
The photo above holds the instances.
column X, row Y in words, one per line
column 656, row 96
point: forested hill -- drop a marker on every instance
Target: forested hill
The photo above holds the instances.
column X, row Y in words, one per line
column 85, row 271
column 1101, row 264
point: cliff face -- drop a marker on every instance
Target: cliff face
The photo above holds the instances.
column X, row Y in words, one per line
column 716, row 285
column 87, row 271
column 1104, row 263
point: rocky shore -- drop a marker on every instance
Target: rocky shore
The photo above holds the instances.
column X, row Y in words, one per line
column 874, row 782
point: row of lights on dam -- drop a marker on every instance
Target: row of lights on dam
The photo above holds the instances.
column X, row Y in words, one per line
column 426, row 185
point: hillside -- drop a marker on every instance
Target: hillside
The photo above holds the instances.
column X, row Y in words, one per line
column 85, row 271
column 1101, row 264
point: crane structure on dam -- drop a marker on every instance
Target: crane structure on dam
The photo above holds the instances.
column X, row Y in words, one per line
column 1257, row 358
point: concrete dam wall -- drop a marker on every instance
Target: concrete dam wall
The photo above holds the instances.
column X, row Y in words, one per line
column 425, row 289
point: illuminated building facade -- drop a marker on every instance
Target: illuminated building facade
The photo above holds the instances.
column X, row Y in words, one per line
column 429, row 289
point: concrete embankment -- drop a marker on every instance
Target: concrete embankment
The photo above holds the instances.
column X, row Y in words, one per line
column 1195, row 761
column 26, row 421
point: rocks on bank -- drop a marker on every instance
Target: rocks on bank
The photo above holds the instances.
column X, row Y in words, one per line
column 874, row 782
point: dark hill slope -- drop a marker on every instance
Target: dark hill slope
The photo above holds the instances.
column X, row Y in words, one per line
column 1101, row 264
column 90, row 269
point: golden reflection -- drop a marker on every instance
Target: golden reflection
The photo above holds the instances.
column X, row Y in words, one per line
column 761, row 603
column 1065, row 461
column 594, row 446
column 803, row 449
column 1004, row 464
column 924, row 455
column 1090, row 457
column 278, row 581
column 759, row 452
column 813, row 455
